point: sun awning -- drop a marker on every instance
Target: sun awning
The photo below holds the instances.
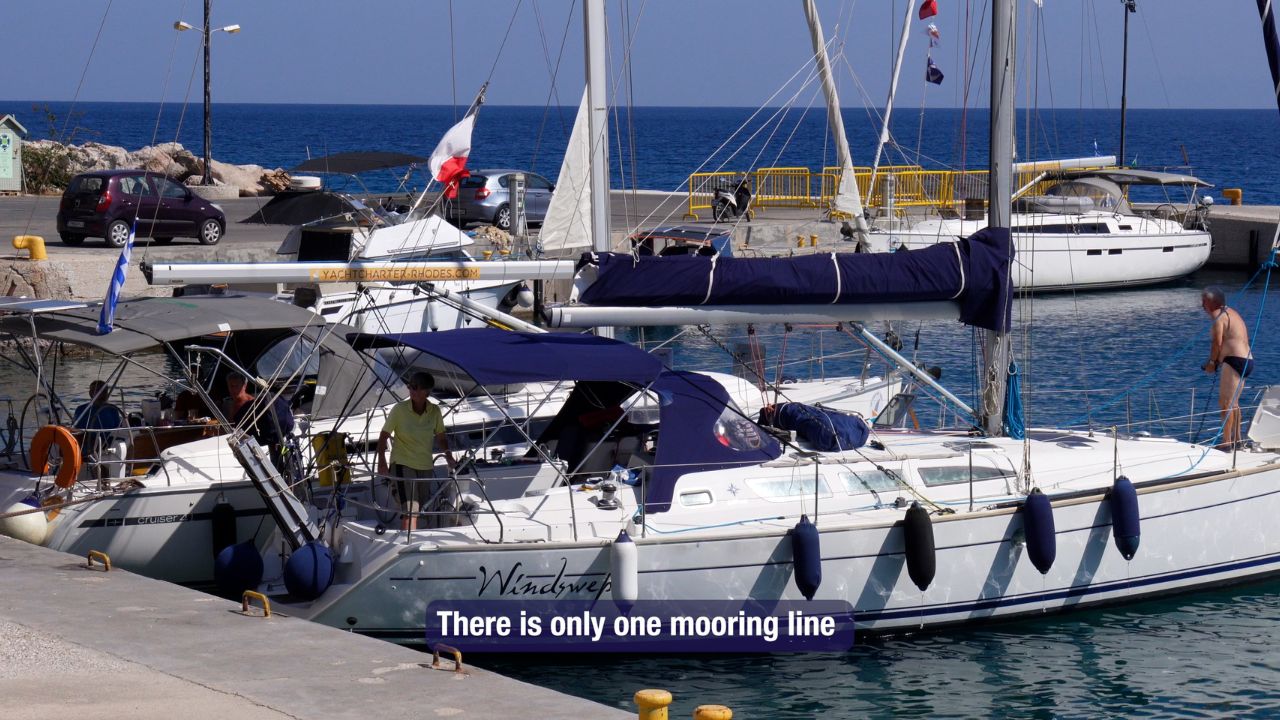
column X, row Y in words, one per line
column 1128, row 176
column 495, row 357
column 357, row 162
column 146, row 323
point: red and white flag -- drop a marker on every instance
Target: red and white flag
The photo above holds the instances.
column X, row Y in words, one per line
column 449, row 160
column 928, row 9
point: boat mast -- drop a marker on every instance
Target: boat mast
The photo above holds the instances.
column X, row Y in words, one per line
column 593, row 22
column 996, row 345
column 888, row 104
column 847, row 199
column 1130, row 7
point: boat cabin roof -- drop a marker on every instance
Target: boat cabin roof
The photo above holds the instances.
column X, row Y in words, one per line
column 1130, row 176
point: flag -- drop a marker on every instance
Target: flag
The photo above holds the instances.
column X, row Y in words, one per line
column 449, row 160
column 107, row 319
column 935, row 35
column 932, row 73
column 928, row 9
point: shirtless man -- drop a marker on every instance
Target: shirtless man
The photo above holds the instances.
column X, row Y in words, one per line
column 1229, row 352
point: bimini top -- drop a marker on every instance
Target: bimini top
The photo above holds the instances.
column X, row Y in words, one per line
column 1129, row 176
column 351, row 163
column 496, row 357
column 147, row 323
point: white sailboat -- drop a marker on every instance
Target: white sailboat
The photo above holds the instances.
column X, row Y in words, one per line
column 915, row 529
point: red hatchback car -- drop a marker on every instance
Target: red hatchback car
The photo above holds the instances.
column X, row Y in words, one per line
column 104, row 204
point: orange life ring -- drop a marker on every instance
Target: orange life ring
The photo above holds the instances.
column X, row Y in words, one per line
column 47, row 437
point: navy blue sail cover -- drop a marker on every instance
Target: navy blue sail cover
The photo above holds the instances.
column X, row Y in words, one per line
column 974, row 272
column 825, row 430
column 700, row 431
column 491, row 357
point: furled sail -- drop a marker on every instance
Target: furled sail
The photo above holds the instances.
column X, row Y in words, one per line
column 973, row 273
column 568, row 220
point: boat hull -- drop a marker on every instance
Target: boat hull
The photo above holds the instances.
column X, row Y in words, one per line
column 1195, row 533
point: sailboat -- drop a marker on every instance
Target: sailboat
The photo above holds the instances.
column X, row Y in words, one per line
column 1078, row 230
column 913, row 529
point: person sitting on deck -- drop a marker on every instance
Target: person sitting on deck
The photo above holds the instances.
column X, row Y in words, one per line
column 98, row 413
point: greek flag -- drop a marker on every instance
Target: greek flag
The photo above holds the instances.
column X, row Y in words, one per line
column 108, row 316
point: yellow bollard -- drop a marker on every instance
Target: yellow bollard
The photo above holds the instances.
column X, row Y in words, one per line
column 712, row 712
column 34, row 244
column 799, row 241
column 653, row 704
column 813, row 241
column 1235, row 195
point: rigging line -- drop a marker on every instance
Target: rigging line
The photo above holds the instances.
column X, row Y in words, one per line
column 501, row 46
column 553, row 69
column 1102, row 63
column 1146, row 30
column 453, row 65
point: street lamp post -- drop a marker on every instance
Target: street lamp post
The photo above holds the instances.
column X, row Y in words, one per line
column 205, row 31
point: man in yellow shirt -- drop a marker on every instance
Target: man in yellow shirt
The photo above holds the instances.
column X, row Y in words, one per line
column 417, row 426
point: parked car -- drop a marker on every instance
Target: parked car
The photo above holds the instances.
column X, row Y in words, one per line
column 485, row 197
column 105, row 203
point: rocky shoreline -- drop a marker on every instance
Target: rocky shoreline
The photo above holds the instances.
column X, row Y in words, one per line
column 169, row 158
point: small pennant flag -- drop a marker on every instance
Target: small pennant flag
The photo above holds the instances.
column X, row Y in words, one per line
column 928, row 9
column 107, row 319
column 932, row 73
column 935, row 35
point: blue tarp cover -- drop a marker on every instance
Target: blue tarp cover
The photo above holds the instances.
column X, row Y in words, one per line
column 973, row 271
column 492, row 357
column 700, row 432
column 825, row 430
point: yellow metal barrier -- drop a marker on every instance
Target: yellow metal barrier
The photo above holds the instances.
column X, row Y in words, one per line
column 101, row 557
column 244, row 602
column 653, row 704
column 33, row 244
column 913, row 187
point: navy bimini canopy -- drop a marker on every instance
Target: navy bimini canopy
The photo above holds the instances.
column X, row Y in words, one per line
column 973, row 272
column 700, row 431
column 495, row 357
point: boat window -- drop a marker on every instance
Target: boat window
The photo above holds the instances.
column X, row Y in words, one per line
column 696, row 497
column 779, row 489
column 956, row 474
column 286, row 356
column 736, row 432
column 1104, row 193
column 865, row 481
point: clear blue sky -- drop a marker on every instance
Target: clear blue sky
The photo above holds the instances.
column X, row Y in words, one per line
column 1183, row 53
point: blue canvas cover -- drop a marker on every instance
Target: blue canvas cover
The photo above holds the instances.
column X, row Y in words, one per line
column 493, row 357
column 824, row 430
column 974, row 272
column 700, row 432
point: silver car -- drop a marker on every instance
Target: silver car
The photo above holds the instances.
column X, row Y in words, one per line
column 485, row 197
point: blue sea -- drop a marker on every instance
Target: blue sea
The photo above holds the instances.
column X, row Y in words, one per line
column 656, row 148
column 1126, row 358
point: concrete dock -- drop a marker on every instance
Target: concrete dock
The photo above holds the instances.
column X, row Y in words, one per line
column 84, row 643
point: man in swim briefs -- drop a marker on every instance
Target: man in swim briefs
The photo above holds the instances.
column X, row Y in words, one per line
column 1229, row 352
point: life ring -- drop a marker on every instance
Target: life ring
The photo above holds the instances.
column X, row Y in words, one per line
column 47, row 437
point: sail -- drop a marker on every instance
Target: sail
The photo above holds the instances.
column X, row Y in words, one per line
column 847, row 199
column 973, row 273
column 568, row 220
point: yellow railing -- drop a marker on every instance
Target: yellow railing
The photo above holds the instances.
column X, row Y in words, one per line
column 797, row 187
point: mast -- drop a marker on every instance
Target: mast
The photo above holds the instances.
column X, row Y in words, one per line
column 996, row 345
column 1130, row 7
column 847, row 199
column 593, row 22
column 888, row 104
